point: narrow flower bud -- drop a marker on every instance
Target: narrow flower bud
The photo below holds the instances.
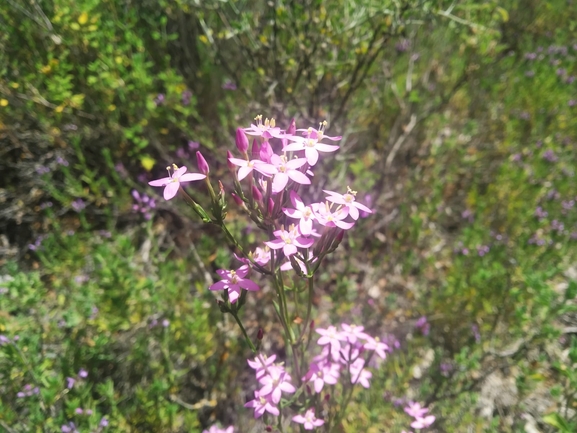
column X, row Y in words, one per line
column 312, row 325
column 260, row 334
column 232, row 168
column 256, row 194
column 241, row 141
column 202, row 164
column 237, row 199
column 266, row 152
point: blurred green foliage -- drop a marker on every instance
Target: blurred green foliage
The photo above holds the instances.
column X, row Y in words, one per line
column 459, row 121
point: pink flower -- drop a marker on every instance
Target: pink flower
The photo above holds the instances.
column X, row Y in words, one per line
column 261, row 364
column 287, row 170
column 353, row 332
column 310, row 144
column 326, row 217
column 289, row 241
column 268, row 129
column 275, row 383
column 359, row 374
column 172, row 183
column 262, row 404
column 332, row 337
column 234, row 281
column 319, row 374
column 416, row 410
column 420, row 423
column 348, row 200
column 378, row 346
column 301, row 212
column 309, row 420
column 246, row 167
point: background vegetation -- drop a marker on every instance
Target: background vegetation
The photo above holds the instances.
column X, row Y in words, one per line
column 459, row 125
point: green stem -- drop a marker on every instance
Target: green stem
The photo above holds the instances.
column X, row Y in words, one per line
column 309, row 308
column 246, row 337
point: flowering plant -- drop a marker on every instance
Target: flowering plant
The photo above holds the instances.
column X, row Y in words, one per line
column 270, row 179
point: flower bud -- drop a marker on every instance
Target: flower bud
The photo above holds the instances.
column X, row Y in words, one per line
column 202, row 164
column 260, row 334
column 312, row 325
column 266, row 152
column 241, row 141
column 237, row 199
column 256, row 194
column 231, row 167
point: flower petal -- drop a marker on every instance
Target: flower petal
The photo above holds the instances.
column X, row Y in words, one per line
column 170, row 190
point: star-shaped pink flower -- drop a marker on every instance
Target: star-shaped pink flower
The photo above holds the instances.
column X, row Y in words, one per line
column 172, row 183
column 234, row 281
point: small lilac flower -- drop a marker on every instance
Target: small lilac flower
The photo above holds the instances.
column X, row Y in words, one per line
column 78, row 205
column 572, row 102
column 193, row 145
column 359, row 374
column 83, row 373
column 476, row 333
column 353, row 333
column 550, row 156
column 165, row 323
column 78, row 411
column 70, row 381
column 42, row 170
column 540, row 213
column 309, row 421
column 103, row 422
column 186, row 97
column 173, row 181
column 61, row 161
column 423, row 325
column 234, row 282
column 229, row 85
column 468, row 215
column 159, row 99
column 482, row 250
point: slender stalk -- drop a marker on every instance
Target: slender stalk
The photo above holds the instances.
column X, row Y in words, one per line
column 246, row 337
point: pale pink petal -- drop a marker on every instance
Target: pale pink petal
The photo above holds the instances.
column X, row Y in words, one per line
column 179, row 172
column 249, row 285
column 322, row 147
column 219, row 285
column 279, row 182
column 244, row 172
column 275, row 244
column 299, row 177
column 296, row 163
column 289, row 250
column 160, row 182
column 170, row 190
column 312, row 155
column 190, row 177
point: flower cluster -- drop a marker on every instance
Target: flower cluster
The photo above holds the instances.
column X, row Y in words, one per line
column 216, row 429
column 28, row 391
column 143, row 204
column 274, row 381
